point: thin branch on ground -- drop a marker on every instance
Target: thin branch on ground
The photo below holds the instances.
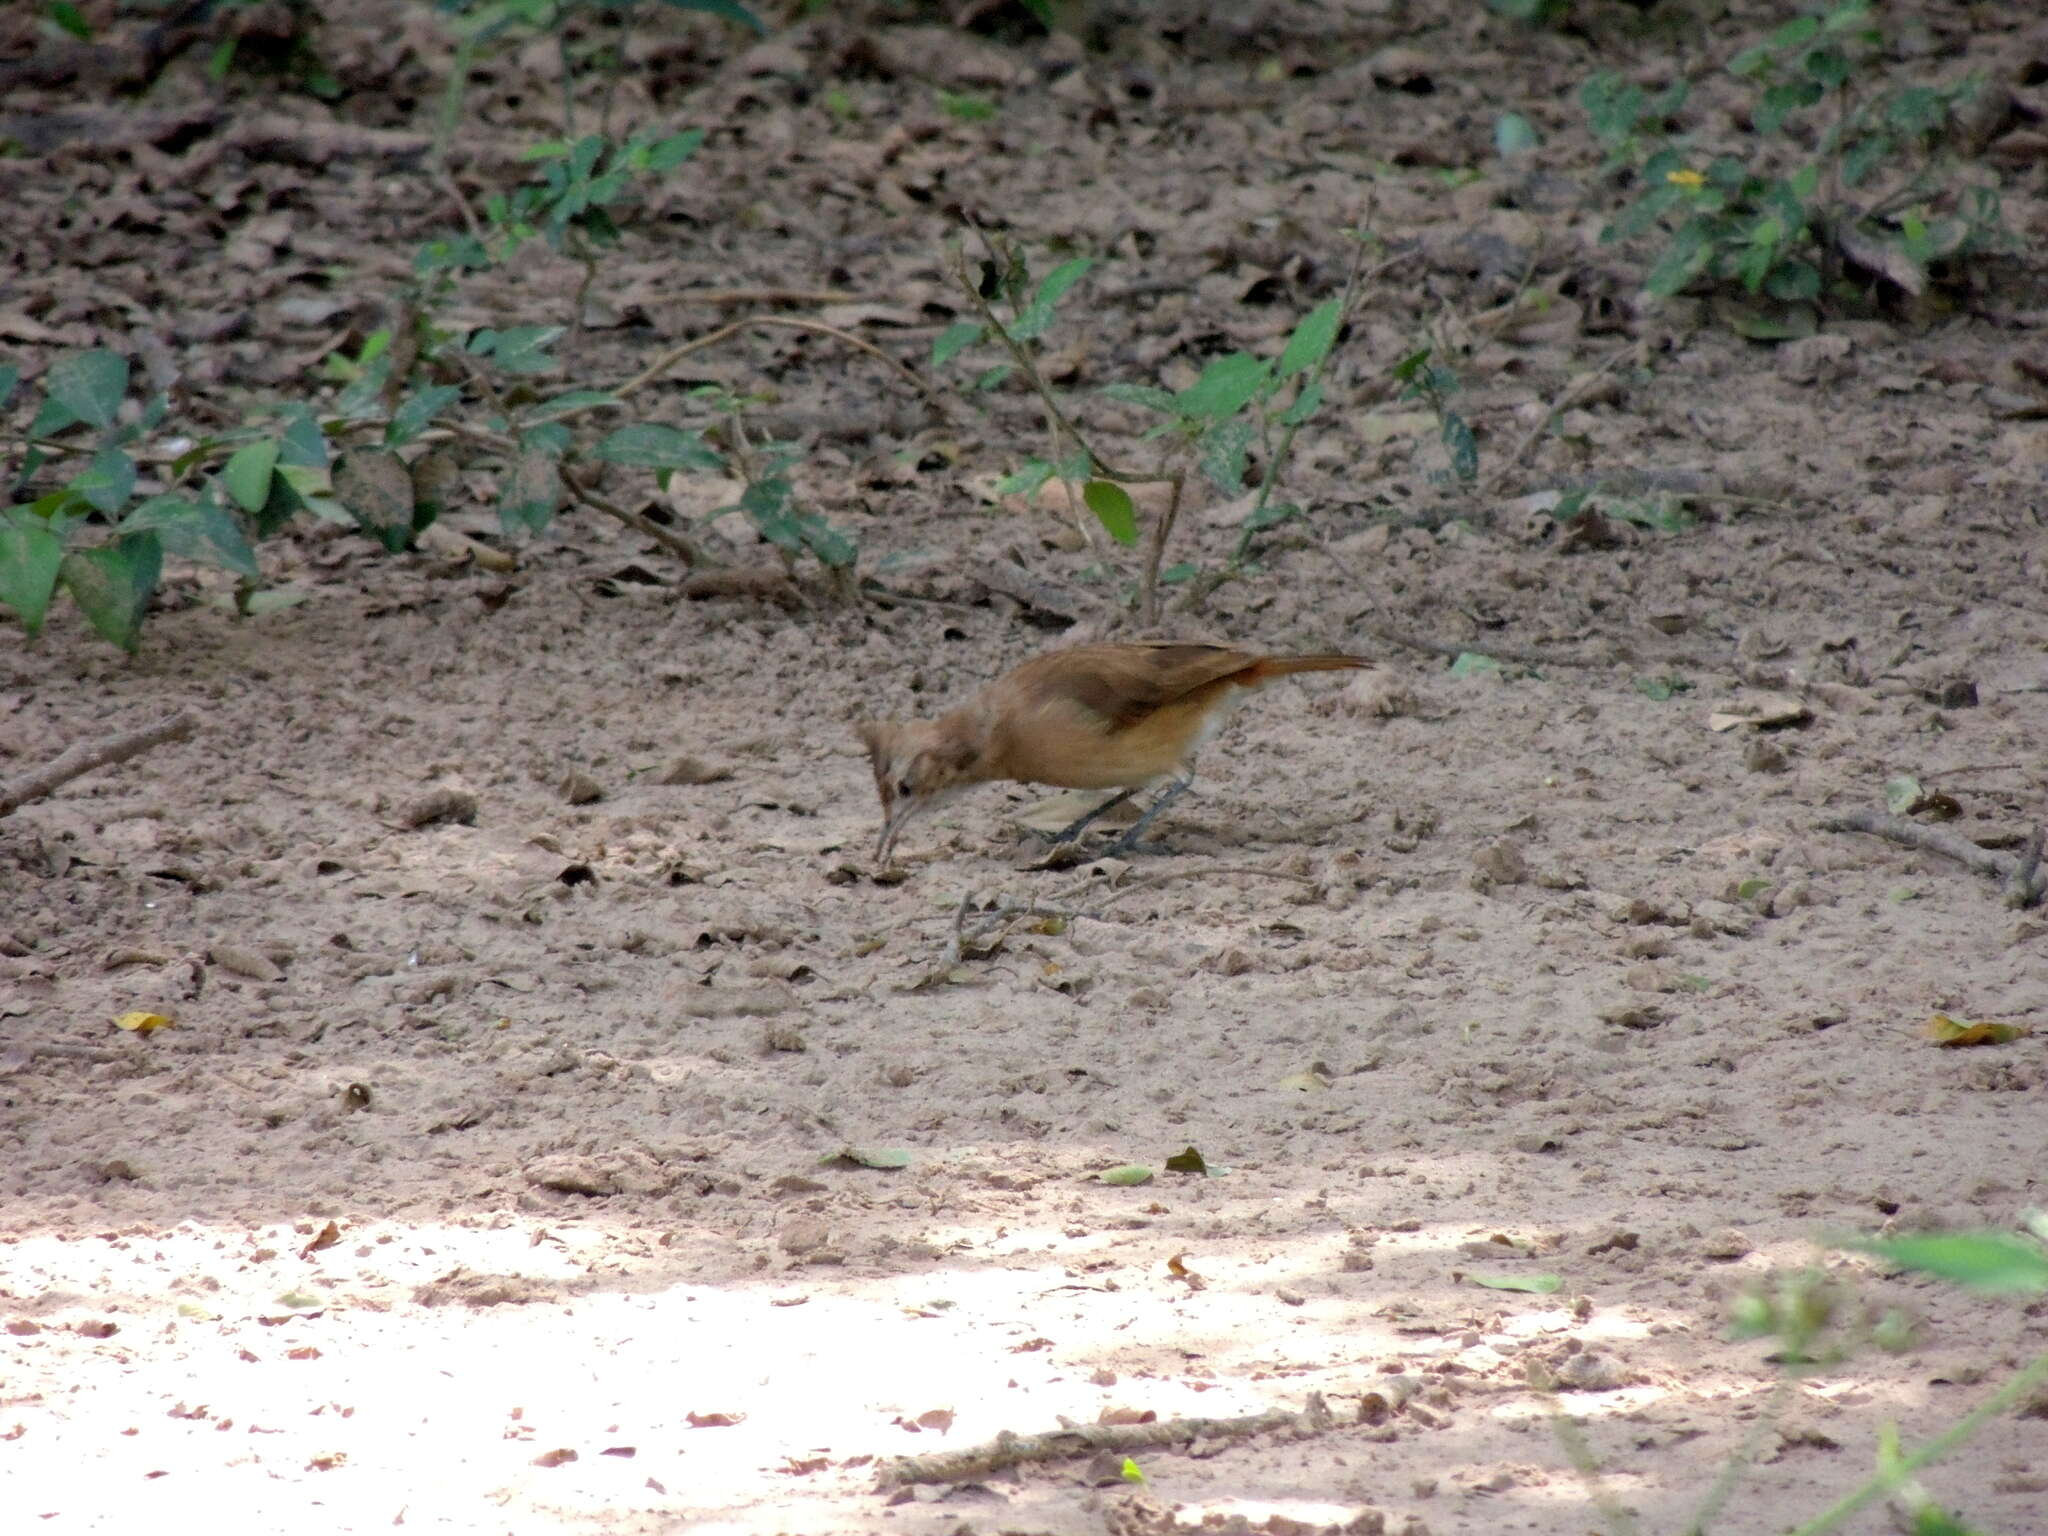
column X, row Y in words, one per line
column 975, row 1462
column 2019, row 874
column 763, row 296
column 83, row 757
column 676, row 354
column 682, row 546
column 1574, row 391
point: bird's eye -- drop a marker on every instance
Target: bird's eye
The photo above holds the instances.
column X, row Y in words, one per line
column 903, row 789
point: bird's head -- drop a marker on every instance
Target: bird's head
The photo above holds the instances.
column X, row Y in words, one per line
column 918, row 764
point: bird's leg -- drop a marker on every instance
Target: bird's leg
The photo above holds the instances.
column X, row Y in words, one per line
column 1132, row 841
column 1083, row 822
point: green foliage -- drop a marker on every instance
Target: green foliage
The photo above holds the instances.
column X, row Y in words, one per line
column 1425, row 380
column 1816, row 1320
column 571, row 205
column 1535, row 13
column 1842, row 164
column 102, row 532
column 1239, row 402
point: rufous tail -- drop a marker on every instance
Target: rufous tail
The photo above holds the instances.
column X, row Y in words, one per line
column 1267, row 668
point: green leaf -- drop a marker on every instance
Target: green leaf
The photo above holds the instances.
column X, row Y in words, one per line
column 1612, row 106
column 203, row 531
column 1796, row 31
column 532, row 494
column 1147, row 395
column 1304, row 405
column 416, row 411
column 88, row 386
column 1535, row 1285
column 550, row 437
column 666, row 154
column 1473, row 664
column 519, row 348
column 1462, row 446
column 303, row 445
column 112, row 584
column 1781, row 101
column 990, row 379
column 1056, row 282
column 955, row 339
column 1026, row 479
column 1271, row 515
column 295, row 488
column 656, row 445
column 1793, row 282
column 1312, row 339
column 1850, row 13
column 1514, row 134
column 1826, row 67
column 10, row 376
column 1996, row 1262
column 1189, row 1161
column 1662, row 688
column 729, row 10
column 1126, row 1176
column 247, row 474
column 1113, row 508
column 30, row 555
column 1751, row 60
column 1036, row 317
column 70, row 18
column 1222, row 452
column 966, row 106
column 376, row 488
column 1683, row 260
column 1226, row 386
column 885, row 1159
column 107, row 481
column 574, row 400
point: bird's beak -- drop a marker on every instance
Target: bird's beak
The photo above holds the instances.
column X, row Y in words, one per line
column 892, row 823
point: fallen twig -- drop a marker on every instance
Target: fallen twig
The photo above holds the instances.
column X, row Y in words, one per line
column 676, row 354
column 2020, row 874
column 685, row 549
column 81, row 758
column 1574, row 391
column 1008, row 1449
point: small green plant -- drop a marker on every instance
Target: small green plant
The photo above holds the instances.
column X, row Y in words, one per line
column 966, row 106
column 1846, row 167
column 1535, row 13
column 570, row 206
column 1430, row 383
column 1239, row 402
column 1816, row 1321
column 102, row 532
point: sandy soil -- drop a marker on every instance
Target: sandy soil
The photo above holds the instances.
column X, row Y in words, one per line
column 491, row 1177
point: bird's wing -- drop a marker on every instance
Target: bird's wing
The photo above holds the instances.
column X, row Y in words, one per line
column 1121, row 685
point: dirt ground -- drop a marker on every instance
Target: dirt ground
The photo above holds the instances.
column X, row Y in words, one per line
column 1449, row 976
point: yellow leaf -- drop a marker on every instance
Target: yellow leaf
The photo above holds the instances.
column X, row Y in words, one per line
column 143, row 1023
column 1943, row 1030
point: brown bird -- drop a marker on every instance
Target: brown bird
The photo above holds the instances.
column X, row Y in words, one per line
column 1089, row 717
